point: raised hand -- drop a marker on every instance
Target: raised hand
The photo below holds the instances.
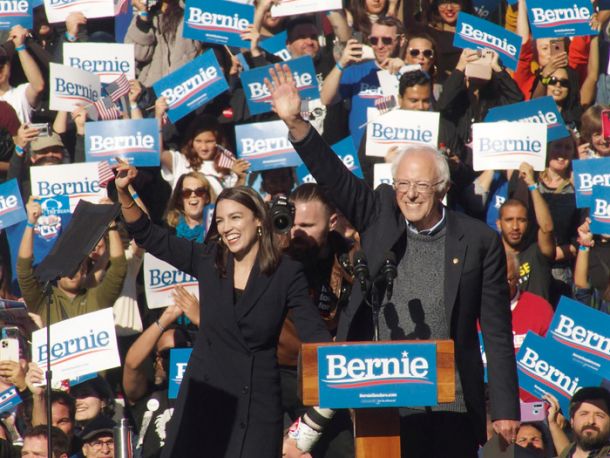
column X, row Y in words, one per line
column 33, row 209
column 125, row 175
column 285, row 98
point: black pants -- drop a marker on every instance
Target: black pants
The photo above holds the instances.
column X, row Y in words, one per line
column 437, row 435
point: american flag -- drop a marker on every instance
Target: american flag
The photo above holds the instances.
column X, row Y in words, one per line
column 385, row 104
column 225, row 159
column 106, row 109
column 118, row 88
column 105, row 173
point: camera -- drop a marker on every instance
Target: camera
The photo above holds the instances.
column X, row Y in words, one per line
column 44, row 130
column 282, row 214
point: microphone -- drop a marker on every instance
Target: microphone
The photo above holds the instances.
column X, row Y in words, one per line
column 361, row 269
column 389, row 272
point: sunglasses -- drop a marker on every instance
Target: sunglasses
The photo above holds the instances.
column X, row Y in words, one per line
column 428, row 53
column 385, row 40
column 199, row 192
column 552, row 81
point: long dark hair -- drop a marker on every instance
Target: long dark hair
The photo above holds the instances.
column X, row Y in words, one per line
column 268, row 254
column 361, row 19
column 202, row 123
column 170, row 19
column 175, row 206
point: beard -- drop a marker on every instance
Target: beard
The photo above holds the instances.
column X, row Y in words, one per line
column 597, row 440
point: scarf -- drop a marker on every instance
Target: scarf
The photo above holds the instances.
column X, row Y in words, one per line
column 185, row 232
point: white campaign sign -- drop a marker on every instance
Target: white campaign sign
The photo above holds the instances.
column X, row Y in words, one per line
column 79, row 181
column 160, row 280
column 72, row 87
column 79, row 346
column 294, row 7
column 388, row 83
column 58, row 10
column 382, row 174
column 505, row 145
column 400, row 128
column 106, row 60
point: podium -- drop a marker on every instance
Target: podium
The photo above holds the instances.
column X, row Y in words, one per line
column 377, row 429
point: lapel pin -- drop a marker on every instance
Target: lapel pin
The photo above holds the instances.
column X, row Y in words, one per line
column 456, row 260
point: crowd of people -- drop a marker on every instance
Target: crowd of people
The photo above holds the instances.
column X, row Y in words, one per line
column 486, row 252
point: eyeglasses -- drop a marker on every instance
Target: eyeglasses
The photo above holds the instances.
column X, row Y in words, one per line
column 421, row 187
column 428, row 53
column 553, row 81
column 385, row 40
column 99, row 444
column 199, row 192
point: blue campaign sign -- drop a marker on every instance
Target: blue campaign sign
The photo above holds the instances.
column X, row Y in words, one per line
column 220, row 22
column 600, row 210
column 178, row 360
column 473, row 32
column 135, row 140
column 347, row 153
column 543, row 366
column 541, row 110
column 12, row 210
column 589, row 173
column 560, row 18
column 9, row 399
column 192, row 85
column 276, row 45
column 259, row 98
column 586, row 332
column 15, row 12
column 265, row 145
column 377, row 375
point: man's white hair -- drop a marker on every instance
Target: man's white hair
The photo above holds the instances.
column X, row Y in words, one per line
column 442, row 168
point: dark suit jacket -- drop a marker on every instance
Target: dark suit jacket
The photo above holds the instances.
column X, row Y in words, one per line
column 229, row 401
column 475, row 280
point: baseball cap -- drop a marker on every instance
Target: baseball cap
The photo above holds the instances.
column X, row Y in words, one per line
column 99, row 425
column 42, row 143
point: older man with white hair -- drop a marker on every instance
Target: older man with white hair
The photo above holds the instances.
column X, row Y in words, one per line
column 451, row 274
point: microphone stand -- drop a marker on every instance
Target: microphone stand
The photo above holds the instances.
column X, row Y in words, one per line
column 376, row 308
column 47, row 290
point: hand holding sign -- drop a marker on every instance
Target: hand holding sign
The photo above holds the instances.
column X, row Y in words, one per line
column 74, row 21
column 34, row 379
column 17, row 35
column 554, row 416
column 585, row 236
column 34, row 210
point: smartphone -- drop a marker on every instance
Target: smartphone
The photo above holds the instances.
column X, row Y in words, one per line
column 44, row 130
column 606, row 123
column 480, row 68
column 9, row 350
column 358, row 36
column 557, row 47
column 533, row 411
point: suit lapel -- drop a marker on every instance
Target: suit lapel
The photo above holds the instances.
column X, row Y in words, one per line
column 256, row 286
column 226, row 304
column 455, row 254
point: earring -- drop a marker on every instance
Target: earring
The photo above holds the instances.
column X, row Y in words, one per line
column 259, row 231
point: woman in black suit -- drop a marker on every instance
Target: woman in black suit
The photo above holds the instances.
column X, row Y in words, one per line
column 229, row 401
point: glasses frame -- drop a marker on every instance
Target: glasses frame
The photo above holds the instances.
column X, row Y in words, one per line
column 422, row 187
column 415, row 52
column 201, row 191
column 387, row 41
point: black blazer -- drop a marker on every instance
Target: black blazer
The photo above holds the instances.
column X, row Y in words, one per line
column 475, row 280
column 229, row 401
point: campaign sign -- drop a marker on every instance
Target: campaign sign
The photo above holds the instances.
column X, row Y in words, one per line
column 543, row 366
column 381, row 375
column 192, row 85
column 9, row 399
column 135, row 140
column 106, row 60
column 542, row 110
column 586, row 331
column 473, row 32
column 347, row 153
column 265, row 145
column 221, row 22
column 276, row 45
column 59, row 10
column 72, row 87
column 293, row 7
column 257, row 94
column 382, row 174
column 79, row 346
column 178, row 360
column 560, row 18
column 15, row 12
column 400, row 128
column 589, row 173
column 160, row 280
column 503, row 145
column 12, row 210
column 600, row 210
column 78, row 181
